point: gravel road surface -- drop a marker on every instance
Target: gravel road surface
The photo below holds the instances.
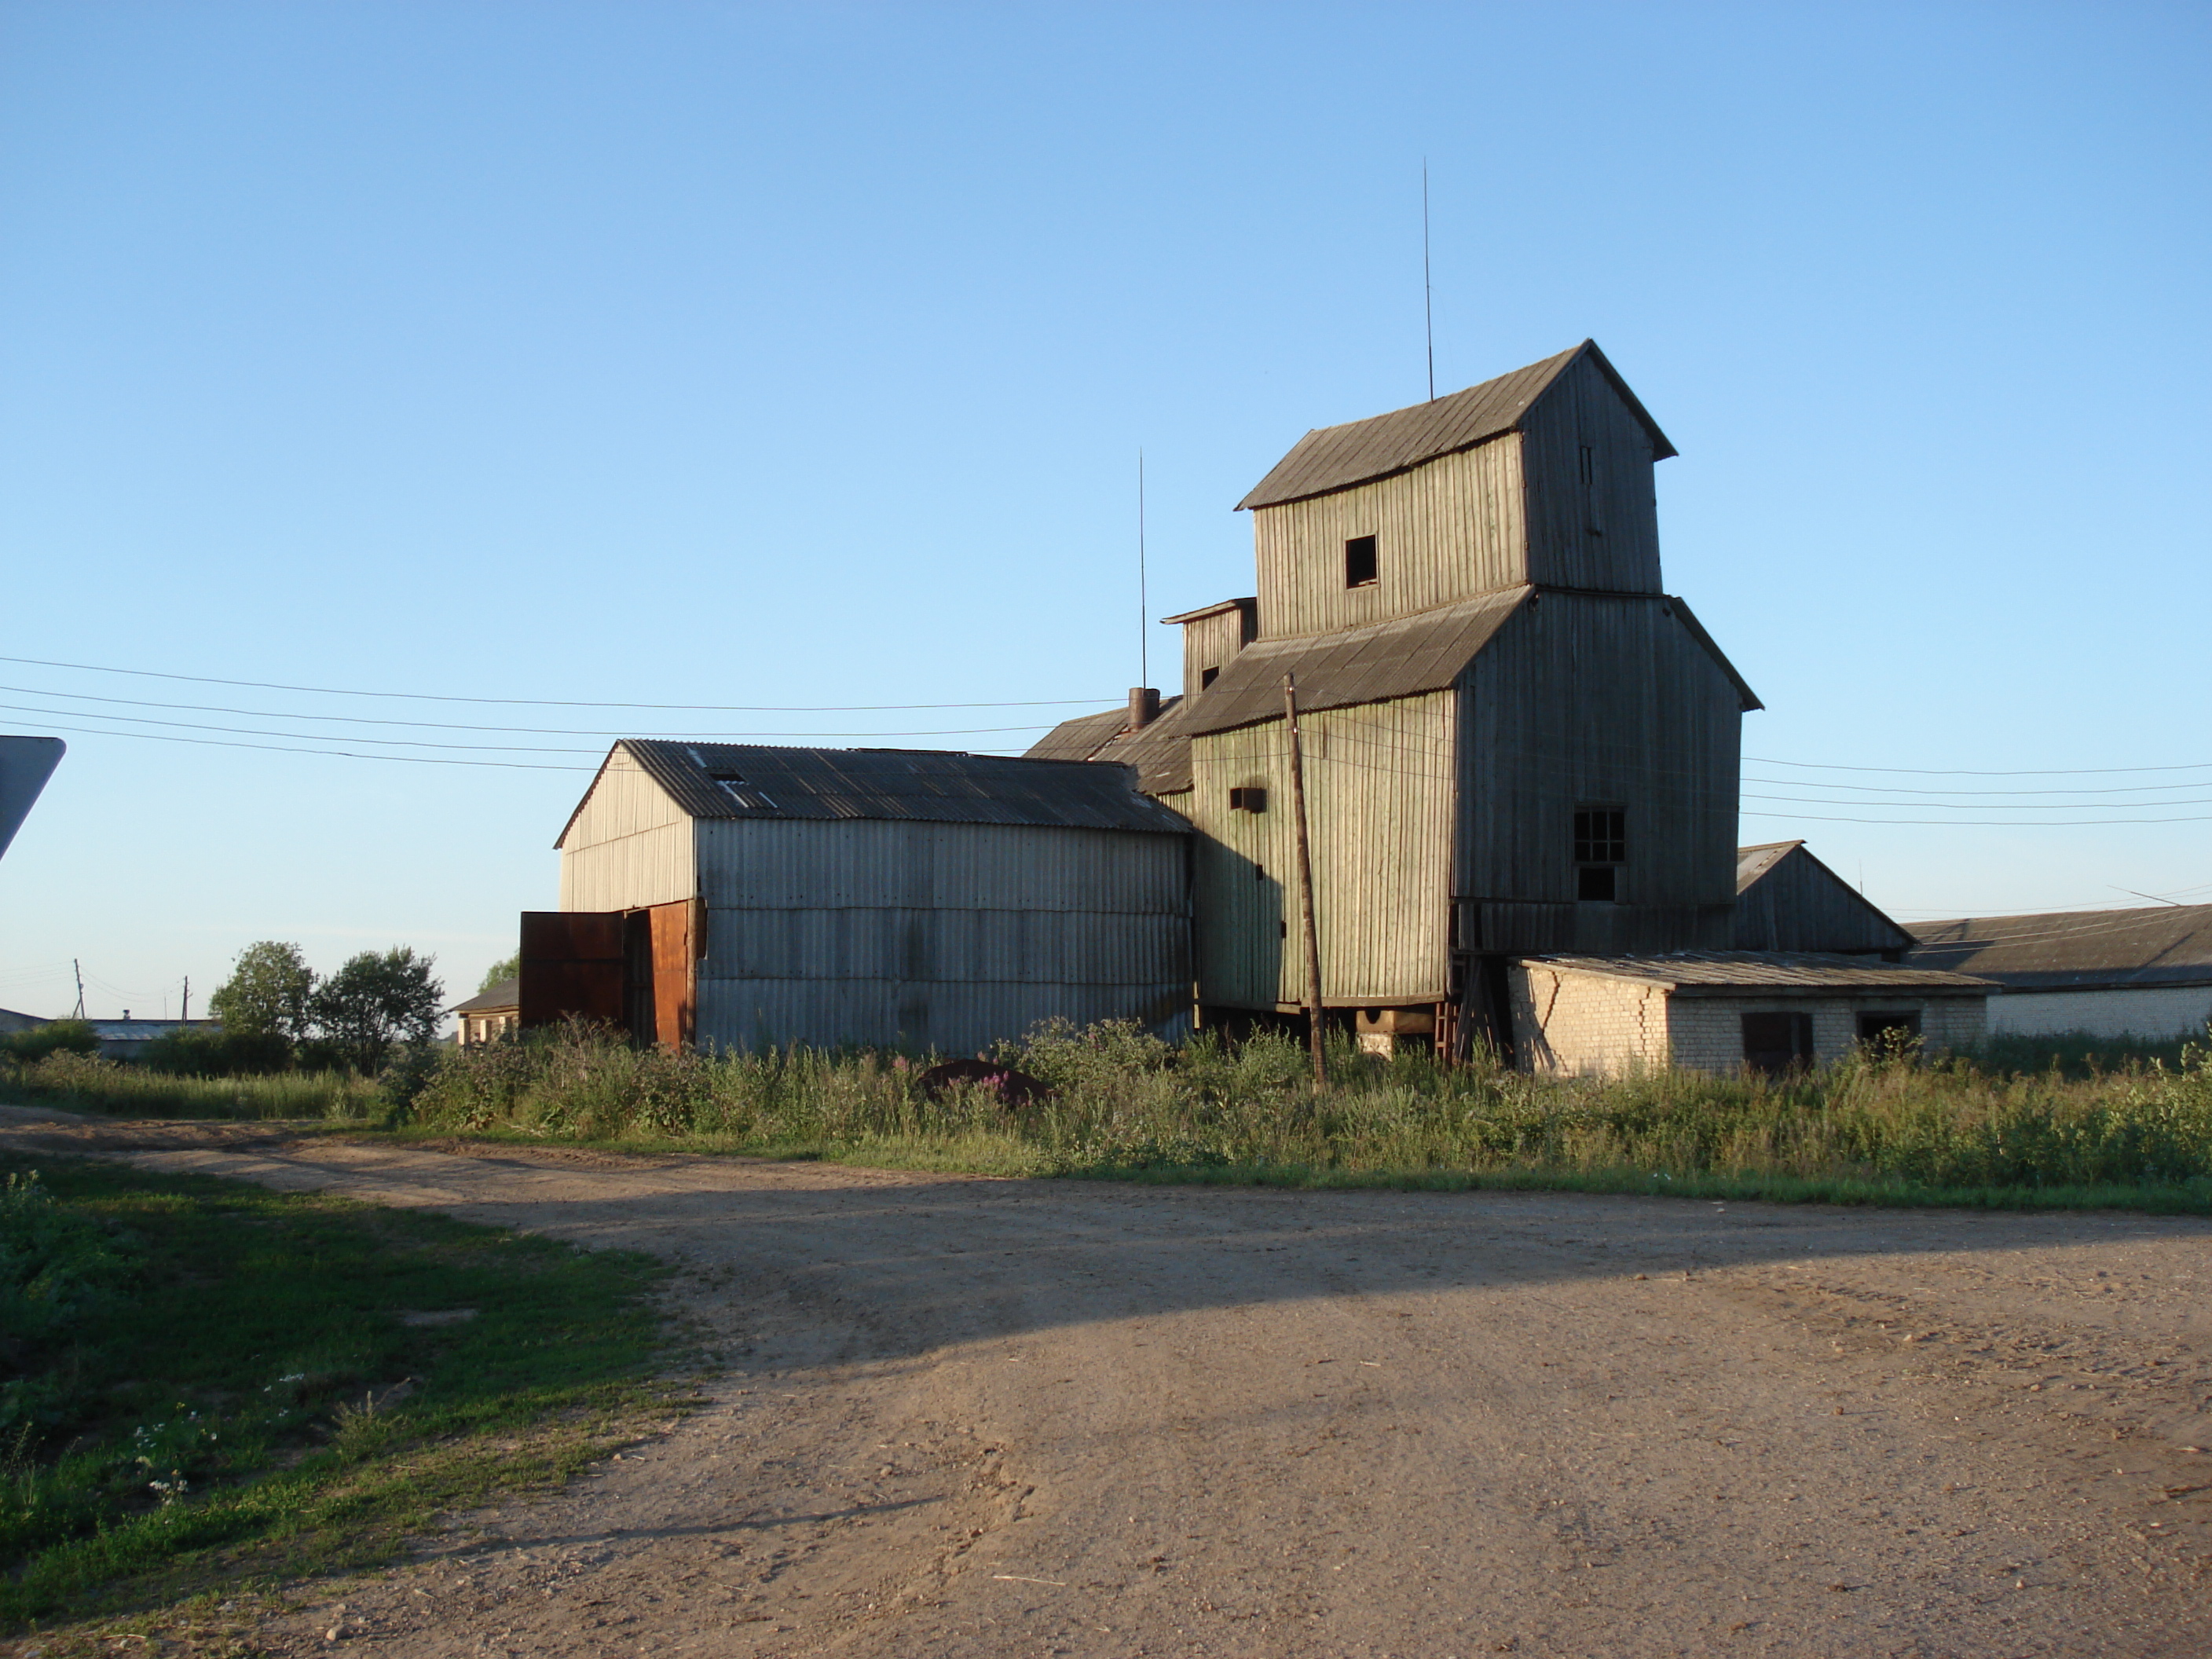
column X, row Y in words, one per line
column 960, row 1416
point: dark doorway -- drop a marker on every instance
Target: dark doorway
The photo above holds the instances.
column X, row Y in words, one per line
column 1888, row 1030
column 1777, row 1044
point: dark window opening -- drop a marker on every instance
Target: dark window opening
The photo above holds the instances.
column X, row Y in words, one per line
column 1600, row 848
column 1207, row 676
column 1589, row 466
column 1259, row 872
column 1776, row 1043
column 1250, row 797
column 1888, row 1029
column 1362, row 566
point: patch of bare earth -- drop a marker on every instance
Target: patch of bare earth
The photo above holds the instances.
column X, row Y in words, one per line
column 974, row 1417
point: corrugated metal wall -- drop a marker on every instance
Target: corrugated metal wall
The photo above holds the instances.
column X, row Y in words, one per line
column 629, row 846
column 1448, row 531
column 937, row 935
column 1590, row 698
column 1593, row 521
column 1379, row 795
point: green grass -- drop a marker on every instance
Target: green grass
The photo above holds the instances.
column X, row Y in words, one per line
column 86, row 1083
column 212, row 1384
column 1868, row 1130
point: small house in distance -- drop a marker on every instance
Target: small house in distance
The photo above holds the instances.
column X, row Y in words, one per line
column 1722, row 1011
column 1788, row 900
column 491, row 1014
column 744, row 896
column 2145, row 972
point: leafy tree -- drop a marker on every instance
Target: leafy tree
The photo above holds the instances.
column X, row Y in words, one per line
column 72, row 1035
column 378, row 999
column 508, row 969
column 269, row 993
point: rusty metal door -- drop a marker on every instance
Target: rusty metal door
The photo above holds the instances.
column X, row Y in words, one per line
column 572, row 963
column 674, row 950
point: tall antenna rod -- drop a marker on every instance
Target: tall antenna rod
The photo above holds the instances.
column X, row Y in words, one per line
column 1428, row 293
column 1144, row 605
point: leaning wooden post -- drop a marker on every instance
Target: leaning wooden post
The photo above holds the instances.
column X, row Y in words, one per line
column 1308, row 926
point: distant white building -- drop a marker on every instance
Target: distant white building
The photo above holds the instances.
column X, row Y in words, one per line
column 2145, row 972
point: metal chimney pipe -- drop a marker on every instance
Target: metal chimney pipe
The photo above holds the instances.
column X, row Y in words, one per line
column 1144, row 706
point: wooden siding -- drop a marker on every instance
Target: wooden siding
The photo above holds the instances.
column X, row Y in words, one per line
column 1448, row 530
column 1591, row 698
column 1210, row 643
column 937, row 936
column 1605, row 533
column 1379, row 789
column 1800, row 904
column 629, row 846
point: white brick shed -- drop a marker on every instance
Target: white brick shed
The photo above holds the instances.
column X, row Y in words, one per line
column 1720, row 1011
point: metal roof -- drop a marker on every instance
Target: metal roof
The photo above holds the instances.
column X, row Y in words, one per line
column 932, row 786
column 1764, row 973
column 1250, row 602
column 498, row 995
column 1160, row 752
column 2075, row 951
column 1401, row 658
column 1334, row 458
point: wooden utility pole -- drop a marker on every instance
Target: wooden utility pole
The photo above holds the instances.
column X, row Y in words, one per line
column 1308, row 926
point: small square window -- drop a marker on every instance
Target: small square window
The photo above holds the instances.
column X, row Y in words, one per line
column 1597, row 884
column 1250, row 797
column 1207, row 676
column 1601, row 835
column 1363, row 565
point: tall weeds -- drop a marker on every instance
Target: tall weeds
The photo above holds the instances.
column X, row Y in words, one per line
column 1121, row 1100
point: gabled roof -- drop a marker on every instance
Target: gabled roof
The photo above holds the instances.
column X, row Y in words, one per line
column 1334, row 458
column 2076, row 950
column 1766, row 973
column 756, row 782
column 499, row 995
column 1160, row 751
column 1752, row 862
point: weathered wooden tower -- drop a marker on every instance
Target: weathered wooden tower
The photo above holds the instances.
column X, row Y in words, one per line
column 1515, row 741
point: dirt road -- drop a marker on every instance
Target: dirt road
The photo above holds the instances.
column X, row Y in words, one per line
column 969, row 1417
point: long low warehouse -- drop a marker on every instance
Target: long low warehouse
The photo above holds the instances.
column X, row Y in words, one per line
column 741, row 897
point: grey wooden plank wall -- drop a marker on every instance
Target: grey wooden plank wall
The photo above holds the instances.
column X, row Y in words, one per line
column 1585, row 698
column 1448, row 530
column 1379, row 792
column 1600, row 531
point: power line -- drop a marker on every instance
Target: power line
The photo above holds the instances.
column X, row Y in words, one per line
column 691, row 732
column 1960, row 772
column 554, row 702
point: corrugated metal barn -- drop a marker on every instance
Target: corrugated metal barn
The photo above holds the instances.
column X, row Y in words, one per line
column 1515, row 740
column 737, row 897
column 2144, row 972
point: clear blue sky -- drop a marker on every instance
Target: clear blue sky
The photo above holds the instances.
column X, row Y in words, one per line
column 776, row 356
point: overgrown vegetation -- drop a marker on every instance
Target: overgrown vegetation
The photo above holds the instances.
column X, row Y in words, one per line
column 1123, row 1103
column 88, row 1083
column 2073, row 1124
column 207, row 1382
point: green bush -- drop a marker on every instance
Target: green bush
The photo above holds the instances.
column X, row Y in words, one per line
column 56, row 1036
column 188, row 1053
